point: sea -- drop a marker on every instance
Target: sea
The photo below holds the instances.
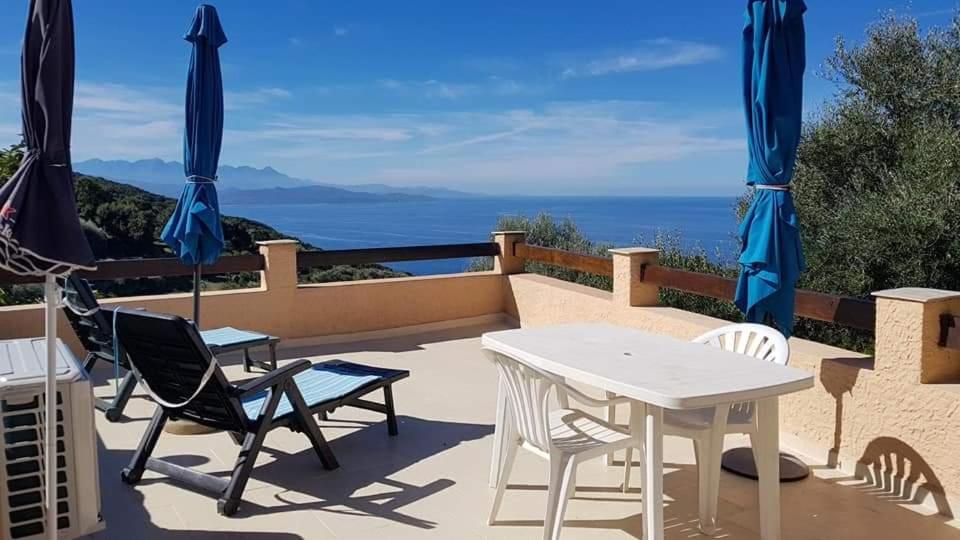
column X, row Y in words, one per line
column 705, row 222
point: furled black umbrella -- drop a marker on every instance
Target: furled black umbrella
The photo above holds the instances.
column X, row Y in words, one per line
column 40, row 232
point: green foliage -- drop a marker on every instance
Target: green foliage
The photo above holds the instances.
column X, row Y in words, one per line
column 9, row 161
column 563, row 234
column 121, row 221
column 878, row 174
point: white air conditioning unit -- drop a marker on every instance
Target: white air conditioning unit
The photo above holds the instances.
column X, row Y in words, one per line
column 22, row 434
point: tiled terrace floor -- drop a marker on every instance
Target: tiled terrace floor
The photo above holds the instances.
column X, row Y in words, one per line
column 431, row 480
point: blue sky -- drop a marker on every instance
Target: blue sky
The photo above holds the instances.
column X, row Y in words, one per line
column 557, row 97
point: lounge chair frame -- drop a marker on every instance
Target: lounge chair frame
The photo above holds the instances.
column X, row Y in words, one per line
column 219, row 404
column 94, row 328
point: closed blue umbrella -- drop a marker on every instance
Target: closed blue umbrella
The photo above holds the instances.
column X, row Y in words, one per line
column 194, row 231
column 40, row 233
column 771, row 257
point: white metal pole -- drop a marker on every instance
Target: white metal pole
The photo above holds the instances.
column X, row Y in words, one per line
column 50, row 425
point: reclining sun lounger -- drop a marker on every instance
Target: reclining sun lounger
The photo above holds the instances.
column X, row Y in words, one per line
column 181, row 374
column 94, row 328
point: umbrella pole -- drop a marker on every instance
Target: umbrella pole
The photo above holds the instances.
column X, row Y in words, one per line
column 196, row 295
column 50, row 425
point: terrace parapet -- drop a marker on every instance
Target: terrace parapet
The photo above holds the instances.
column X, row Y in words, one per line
column 908, row 334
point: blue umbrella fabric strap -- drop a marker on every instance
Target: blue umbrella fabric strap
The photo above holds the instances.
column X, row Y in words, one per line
column 118, row 350
column 197, row 179
column 773, row 187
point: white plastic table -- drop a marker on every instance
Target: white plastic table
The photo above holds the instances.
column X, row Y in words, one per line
column 660, row 372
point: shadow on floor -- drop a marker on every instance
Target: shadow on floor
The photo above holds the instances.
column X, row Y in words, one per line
column 368, row 457
column 894, row 471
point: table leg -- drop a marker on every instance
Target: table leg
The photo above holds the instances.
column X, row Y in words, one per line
column 653, row 481
column 768, row 467
column 638, row 412
column 500, row 428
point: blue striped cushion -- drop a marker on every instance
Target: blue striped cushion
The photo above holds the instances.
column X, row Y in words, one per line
column 228, row 336
column 321, row 383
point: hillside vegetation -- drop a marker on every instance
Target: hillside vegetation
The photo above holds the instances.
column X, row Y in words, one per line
column 122, row 222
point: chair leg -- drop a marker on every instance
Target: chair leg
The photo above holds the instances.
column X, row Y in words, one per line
column 562, row 471
column 229, row 502
column 115, row 411
column 310, row 428
column 506, row 465
column 611, row 418
column 247, row 361
column 391, row 412
column 272, row 348
column 134, row 471
column 627, row 465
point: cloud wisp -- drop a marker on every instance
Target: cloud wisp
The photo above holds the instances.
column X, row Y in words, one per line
column 260, row 96
column 650, row 56
column 560, row 145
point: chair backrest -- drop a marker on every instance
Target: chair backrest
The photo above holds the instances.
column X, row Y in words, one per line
column 171, row 358
column 754, row 340
column 528, row 392
column 93, row 325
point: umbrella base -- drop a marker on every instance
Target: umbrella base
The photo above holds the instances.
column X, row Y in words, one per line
column 186, row 427
column 739, row 461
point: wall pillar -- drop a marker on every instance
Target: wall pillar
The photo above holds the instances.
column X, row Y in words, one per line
column 628, row 289
column 280, row 268
column 508, row 262
column 908, row 334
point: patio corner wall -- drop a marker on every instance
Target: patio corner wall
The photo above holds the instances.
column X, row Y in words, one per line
column 282, row 307
column 892, row 420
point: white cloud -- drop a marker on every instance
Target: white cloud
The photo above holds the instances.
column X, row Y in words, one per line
column 260, row 96
column 115, row 121
column 561, row 147
column 651, row 56
column 340, row 31
column 437, row 89
column 295, row 41
column 121, row 100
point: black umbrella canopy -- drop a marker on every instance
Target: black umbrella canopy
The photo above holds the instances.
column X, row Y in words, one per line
column 40, row 232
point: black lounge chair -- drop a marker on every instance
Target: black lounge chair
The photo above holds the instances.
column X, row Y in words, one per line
column 94, row 328
column 181, row 374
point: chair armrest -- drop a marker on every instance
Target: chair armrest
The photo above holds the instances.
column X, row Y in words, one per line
column 587, row 400
column 275, row 377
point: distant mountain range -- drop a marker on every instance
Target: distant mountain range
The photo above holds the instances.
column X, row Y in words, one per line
column 249, row 184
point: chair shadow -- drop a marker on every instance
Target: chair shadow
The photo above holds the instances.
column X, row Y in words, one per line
column 368, row 457
column 128, row 517
column 894, row 471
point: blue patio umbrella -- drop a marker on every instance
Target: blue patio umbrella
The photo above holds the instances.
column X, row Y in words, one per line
column 771, row 257
column 194, row 231
column 40, row 233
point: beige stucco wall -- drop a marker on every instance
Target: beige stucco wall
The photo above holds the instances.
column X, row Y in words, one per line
column 863, row 410
column 307, row 310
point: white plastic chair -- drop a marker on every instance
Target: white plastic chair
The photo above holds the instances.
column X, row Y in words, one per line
column 707, row 427
column 565, row 437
